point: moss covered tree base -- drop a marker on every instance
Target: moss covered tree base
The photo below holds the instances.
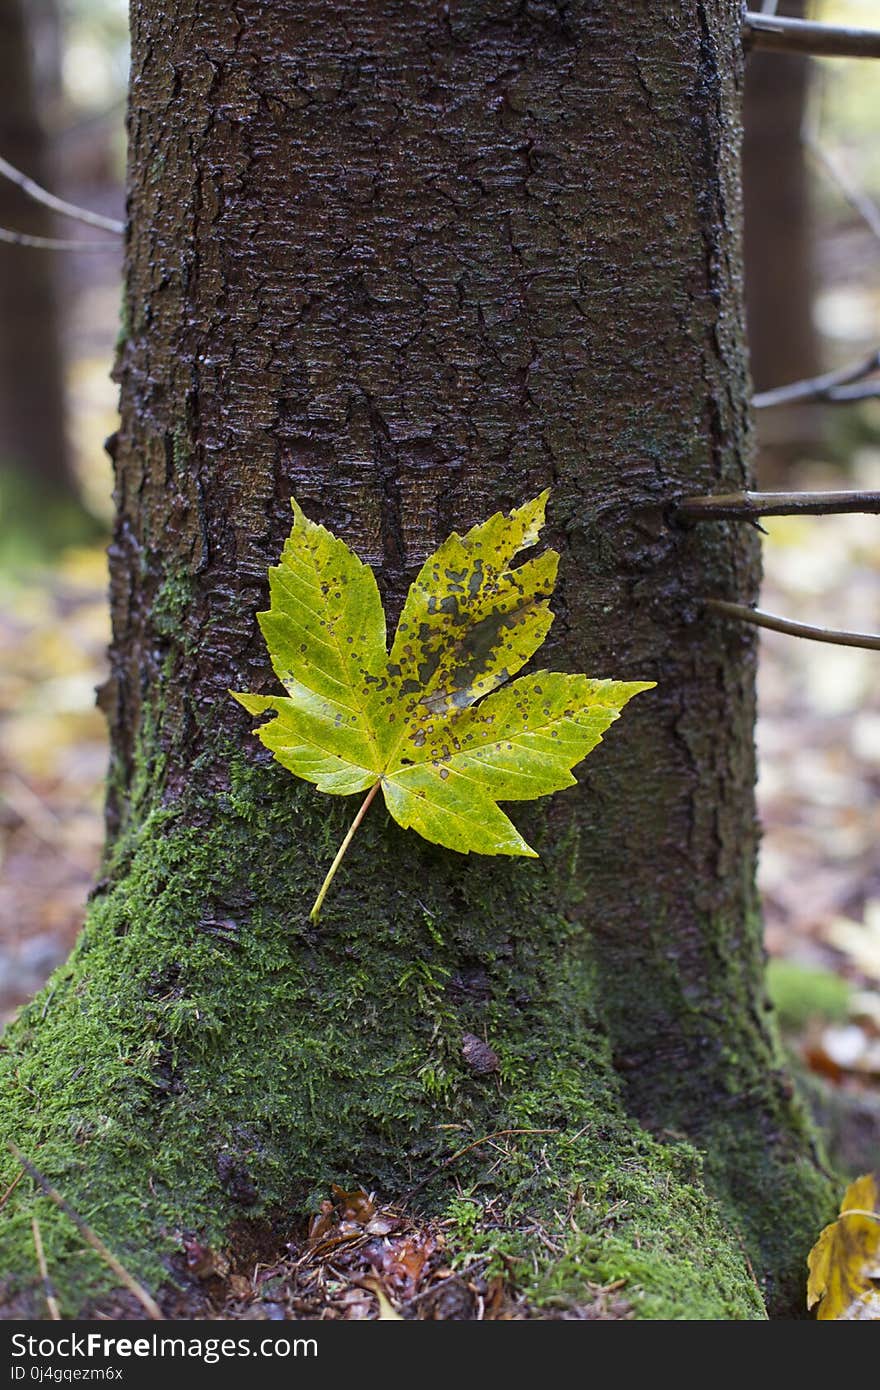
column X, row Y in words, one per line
column 206, row 1058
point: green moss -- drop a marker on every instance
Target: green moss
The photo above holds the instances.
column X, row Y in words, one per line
column 762, row 1159
column 800, row 993
column 605, row 1204
column 181, row 450
column 206, row 1054
column 172, row 602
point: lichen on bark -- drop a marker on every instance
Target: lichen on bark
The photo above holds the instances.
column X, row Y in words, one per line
column 411, row 268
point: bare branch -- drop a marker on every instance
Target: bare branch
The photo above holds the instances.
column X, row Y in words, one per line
column 855, row 196
column 815, row 634
column 863, row 391
column 803, row 36
column 49, row 243
column 41, row 195
column 834, row 387
column 748, row 506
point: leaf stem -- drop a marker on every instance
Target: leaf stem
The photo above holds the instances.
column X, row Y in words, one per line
column 340, row 854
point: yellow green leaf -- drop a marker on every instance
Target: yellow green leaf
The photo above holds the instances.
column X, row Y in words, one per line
column 438, row 725
column 325, row 632
column 519, row 743
column 844, row 1263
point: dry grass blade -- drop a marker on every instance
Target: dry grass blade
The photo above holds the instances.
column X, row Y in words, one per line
column 387, row 1311
column 10, row 1189
column 459, row 1153
column 147, row 1302
column 48, row 1290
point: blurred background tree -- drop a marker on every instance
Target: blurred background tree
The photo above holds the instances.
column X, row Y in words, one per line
column 812, row 253
column 62, row 70
column 33, row 443
column 780, row 245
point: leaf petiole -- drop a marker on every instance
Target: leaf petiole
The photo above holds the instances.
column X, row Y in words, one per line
column 340, row 854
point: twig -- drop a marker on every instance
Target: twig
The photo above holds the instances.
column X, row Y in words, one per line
column 42, row 195
column 29, row 808
column 48, row 1290
column 831, row 386
column 453, row 1158
column 861, row 391
column 803, row 36
column 49, row 243
column 816, row 634
column 147, row 1302
column 10, row 1189
column 747, row 506
column 479, row 1263
column 855, row 196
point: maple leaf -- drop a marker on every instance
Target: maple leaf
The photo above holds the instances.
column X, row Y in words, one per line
column 439, row 724
column 844, row 1263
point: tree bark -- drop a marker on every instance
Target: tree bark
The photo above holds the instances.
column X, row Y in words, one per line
column 32, row 411
column 410, row 264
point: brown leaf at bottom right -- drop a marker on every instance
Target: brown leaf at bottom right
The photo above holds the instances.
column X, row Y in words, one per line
column 844, row 1264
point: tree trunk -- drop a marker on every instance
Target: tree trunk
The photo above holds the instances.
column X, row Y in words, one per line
column 32, row 438
column 410, row 264
column 780, row 273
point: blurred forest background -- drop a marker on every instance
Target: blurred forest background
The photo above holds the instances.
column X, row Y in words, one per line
column 812, row 195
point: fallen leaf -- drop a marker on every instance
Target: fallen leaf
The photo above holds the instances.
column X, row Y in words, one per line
column 356, row 1304
column 356, row 1206
column 844, row 1263
column 387, row 1311
column 322, row 1222
column 494, row 1298
column 403, row 1261
column 859, row 941
column 238, row 1286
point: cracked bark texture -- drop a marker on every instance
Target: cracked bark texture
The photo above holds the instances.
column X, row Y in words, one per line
column 412, row 263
